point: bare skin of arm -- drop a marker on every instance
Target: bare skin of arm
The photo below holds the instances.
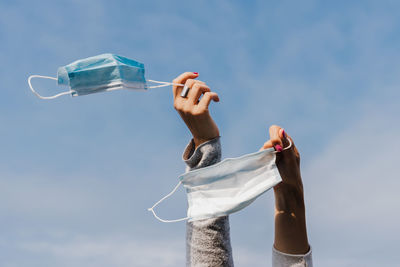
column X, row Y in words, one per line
column 290, row 218
column 193, row 110
column 207, row 241
column 290, row 225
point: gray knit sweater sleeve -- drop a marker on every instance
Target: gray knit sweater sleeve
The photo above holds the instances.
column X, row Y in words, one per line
column 207, row 241
column 280, row 259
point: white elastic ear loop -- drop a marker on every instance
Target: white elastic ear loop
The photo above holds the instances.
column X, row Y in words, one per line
column 161, row 200
column 45, row 97
column 289, row 146
column 163, row 84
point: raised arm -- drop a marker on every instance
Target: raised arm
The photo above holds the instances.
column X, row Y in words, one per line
column 207, row 241
column 291, row 246
column 193, row 110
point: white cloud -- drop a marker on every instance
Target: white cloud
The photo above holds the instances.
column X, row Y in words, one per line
column 352, row 193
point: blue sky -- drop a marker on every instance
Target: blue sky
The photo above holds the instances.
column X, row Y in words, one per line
column 77, row 174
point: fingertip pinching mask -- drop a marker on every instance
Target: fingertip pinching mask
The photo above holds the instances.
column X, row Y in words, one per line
column 105, row 72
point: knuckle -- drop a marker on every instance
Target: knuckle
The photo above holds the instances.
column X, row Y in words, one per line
column 178, row 105
column 207, row 94
column 206, row 89
column 196, row 86
column 276, row 140
column 187, row 109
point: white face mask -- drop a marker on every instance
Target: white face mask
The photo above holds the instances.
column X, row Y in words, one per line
column 228, row 186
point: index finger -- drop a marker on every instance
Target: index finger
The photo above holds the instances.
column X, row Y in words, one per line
column 181, row 79
column 275, row 138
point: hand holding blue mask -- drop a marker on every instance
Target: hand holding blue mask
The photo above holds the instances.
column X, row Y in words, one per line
column 100, row 73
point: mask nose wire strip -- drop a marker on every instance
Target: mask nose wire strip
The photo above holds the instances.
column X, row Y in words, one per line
column 45, row 77
column 161, row 200
column 162, row 84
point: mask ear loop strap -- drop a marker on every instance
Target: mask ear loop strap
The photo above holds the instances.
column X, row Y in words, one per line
column 45, row 97
column 289, row 146
column 161, row 200
column 162, row 84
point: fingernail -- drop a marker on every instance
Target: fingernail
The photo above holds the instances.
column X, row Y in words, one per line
column 283, row 134
column 278, row 148
column 195, row 73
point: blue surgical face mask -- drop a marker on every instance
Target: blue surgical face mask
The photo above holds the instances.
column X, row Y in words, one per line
column 100, row 73
column 228, row 186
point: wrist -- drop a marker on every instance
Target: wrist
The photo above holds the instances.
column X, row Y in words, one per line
column 201, row 140
column 289, row 198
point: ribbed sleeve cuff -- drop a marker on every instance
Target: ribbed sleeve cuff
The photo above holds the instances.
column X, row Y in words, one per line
column 204, row 155
column 280, row 259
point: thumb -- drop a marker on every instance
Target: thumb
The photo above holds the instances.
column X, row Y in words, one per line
column 289, row 149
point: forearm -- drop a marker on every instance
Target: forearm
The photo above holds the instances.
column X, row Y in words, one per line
column 207, row 241
column 290, row 220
